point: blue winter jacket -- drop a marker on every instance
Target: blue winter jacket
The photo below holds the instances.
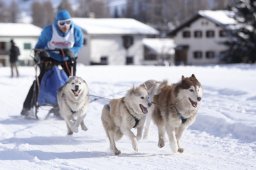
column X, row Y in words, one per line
column 46, row 36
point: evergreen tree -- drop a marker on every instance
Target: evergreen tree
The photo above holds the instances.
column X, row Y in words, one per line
column 242, row 43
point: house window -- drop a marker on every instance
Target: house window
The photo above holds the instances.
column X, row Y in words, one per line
column 127, row 41
column 209, row 54
column 204, row 22
column 198, row 55
column 2, row 46
column 222, row 33
column 104, row 60
column 27, row 46
column 129, row 60
column 186, row 34
column 198, row 34
column 150, row 57
column 209, row 33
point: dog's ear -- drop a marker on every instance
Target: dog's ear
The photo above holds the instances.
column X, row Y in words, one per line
column 84, row 81
column 133, row 89
column 193, row 76
column 182, row 77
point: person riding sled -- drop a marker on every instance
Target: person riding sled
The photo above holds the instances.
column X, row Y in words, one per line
column 58, row 43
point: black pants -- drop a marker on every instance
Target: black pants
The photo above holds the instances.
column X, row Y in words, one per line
column 31, row 98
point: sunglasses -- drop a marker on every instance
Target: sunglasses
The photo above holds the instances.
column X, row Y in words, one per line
column 64, row 22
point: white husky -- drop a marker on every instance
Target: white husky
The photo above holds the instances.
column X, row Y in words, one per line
column 175, row 109
column 73, row 102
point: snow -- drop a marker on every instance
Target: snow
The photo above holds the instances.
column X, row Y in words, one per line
column 160, row 45
column 222, row 137
column 114, row 26
column 19, row 29
column 220, row 16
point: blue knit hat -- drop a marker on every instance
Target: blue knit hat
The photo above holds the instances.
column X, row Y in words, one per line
column 62, row 15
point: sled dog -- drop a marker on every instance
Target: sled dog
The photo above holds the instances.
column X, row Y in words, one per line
column 152, row 88
column 121, row 115
column 73, row 102
column 175, row 109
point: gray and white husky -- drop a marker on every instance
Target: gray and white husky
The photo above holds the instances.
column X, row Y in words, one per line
column 73, row 103
column 121, row 115
column 175, row 109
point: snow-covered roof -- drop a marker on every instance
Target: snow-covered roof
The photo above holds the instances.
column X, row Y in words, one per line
column 19, row 29
column 114, row 26
column 220, row 16
column 160, row 45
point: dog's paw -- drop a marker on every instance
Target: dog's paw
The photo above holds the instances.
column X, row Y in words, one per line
column 135, row 145
column 135, row 148
column 70, row 133
column 161, row 143
column 117, row 152
column 84, row 128
column 180, row 150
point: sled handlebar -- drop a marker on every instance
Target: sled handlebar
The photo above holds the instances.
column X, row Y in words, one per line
column 63, row 52
column 48, row 50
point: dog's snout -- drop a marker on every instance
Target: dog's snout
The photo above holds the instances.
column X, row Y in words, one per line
column 76, row 87
column 199, row 98
column 149, row 104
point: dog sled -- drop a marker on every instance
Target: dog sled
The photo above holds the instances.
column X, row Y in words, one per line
column 45, row 88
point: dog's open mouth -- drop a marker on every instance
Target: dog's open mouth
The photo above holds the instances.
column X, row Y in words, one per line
column 76, row 92
column 143, row 109
column 194, row 104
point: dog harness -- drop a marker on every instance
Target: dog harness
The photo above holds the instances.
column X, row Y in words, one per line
column 137, row 121
column 183, row 119
column 65, row 100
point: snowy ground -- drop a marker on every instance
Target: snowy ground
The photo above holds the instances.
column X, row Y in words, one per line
column 223, row 136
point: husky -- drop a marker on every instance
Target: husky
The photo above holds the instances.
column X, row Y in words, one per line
column 73, row 103
column 175, row 109
column 121, row 115
column 152, row 87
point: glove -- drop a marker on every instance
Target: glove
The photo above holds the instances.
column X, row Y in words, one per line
column 68, row 52
column 43, row 54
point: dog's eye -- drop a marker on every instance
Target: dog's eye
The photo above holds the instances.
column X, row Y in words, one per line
column 191, row 90
column 72, row 83
column 142, row 97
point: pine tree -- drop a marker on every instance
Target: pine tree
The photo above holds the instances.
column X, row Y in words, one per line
column 242, row 45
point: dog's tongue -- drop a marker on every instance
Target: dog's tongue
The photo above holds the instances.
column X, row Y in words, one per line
column 143, row 109
column 194, row 104
column 76, row 92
